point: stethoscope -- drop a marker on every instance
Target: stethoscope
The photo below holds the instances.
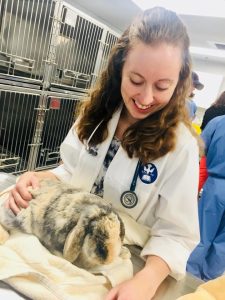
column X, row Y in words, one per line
column 128, row 199
column 92, row 150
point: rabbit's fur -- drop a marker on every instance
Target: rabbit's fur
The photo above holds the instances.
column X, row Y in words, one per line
column 79, row 226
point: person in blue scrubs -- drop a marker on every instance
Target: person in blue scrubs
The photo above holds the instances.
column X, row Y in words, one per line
column 207, row 261
column 191, row 105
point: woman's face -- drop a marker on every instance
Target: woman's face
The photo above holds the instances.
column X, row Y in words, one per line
column 149, row 78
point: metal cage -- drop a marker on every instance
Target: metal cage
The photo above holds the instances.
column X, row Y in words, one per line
column 82, row 45
column 50, row 54
column 17, row 125
column 59, row 117
column 76, row 50
column 47, row 41
column 25, row 31
column 32, row 127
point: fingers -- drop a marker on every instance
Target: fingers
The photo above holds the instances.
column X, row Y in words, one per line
column 19, row 198
column 21, row 192
column 10, row 203
column 15, row 202
column 28, row 179
column 34, row 181
column 6, row 204
column 112, row 295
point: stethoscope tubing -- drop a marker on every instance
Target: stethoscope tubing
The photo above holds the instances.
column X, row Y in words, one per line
column 129, row 198
column 134, row 180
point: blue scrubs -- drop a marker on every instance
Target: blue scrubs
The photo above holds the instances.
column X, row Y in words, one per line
column 192, row 108
column 207, row 261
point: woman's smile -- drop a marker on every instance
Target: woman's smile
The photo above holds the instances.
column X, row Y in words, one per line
column 142, row 108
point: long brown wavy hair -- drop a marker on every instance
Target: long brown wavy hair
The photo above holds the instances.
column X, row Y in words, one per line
column 154, row 136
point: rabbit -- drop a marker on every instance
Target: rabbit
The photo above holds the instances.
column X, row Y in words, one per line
column 76, row 225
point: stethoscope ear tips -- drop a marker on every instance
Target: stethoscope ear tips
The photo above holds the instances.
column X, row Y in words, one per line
column 91, row 150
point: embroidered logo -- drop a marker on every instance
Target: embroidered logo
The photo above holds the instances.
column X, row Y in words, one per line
column 148, row 173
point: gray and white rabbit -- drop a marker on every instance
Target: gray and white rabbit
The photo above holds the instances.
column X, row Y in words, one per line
column 79, row 226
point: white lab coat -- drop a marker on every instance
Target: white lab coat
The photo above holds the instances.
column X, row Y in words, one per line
column 168, row 205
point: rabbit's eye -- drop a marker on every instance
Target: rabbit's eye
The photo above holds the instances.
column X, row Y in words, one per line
column 101, row 250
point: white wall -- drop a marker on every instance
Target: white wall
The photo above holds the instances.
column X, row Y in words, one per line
column 212, row 75
column 212, row 83
column 211, row 67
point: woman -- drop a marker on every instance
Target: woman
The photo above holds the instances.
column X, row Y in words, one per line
column 133, row 145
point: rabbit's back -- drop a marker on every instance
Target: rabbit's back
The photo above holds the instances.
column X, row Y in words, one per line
column 55, row 211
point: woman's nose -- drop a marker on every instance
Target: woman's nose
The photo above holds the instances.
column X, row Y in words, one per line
column 146, row 96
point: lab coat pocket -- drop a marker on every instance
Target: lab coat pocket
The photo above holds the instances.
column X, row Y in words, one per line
column 147, row 200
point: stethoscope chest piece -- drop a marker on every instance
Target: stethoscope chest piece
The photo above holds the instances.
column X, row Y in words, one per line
column 129, row 199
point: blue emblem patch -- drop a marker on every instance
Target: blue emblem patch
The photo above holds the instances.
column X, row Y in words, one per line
column 148, row 173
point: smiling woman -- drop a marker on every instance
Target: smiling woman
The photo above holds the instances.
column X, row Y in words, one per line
column 133, row 145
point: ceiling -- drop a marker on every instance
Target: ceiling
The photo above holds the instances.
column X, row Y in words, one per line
column 203, row 31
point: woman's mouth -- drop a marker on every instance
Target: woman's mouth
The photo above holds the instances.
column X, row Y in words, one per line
column 141, row 106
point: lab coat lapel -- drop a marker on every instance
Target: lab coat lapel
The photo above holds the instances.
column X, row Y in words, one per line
column 88, row 166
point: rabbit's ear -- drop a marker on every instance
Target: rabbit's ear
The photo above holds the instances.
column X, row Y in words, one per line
column 74, row 241
column 122, row 227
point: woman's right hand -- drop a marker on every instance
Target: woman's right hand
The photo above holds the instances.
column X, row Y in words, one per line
column 19, row 196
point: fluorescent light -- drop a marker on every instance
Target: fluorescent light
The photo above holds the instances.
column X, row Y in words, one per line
column 208, row 8
column 207, row 52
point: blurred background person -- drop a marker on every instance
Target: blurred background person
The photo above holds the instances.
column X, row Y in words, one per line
column 207, row 261
column 215, row 110
column 191, row 105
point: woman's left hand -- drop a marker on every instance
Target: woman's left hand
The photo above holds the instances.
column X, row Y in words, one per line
column 132, row 289
column 144, row 283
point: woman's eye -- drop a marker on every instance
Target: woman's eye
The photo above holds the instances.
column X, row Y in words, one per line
column 160, row 88
column 135, row 82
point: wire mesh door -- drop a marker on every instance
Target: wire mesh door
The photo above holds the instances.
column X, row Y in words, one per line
column 32, row 128
column 108, row 41
column 76, row 50
column 17, row 126
column 25, row 30
column 59, row 118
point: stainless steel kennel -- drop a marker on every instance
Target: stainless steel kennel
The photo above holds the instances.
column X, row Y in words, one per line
column 50, row 54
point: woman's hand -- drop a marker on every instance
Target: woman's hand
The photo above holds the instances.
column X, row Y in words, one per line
column 132, row 289
column 144, row 283
column 19, row 196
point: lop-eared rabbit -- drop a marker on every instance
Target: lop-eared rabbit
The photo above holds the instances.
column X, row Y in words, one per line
column 79, row 226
